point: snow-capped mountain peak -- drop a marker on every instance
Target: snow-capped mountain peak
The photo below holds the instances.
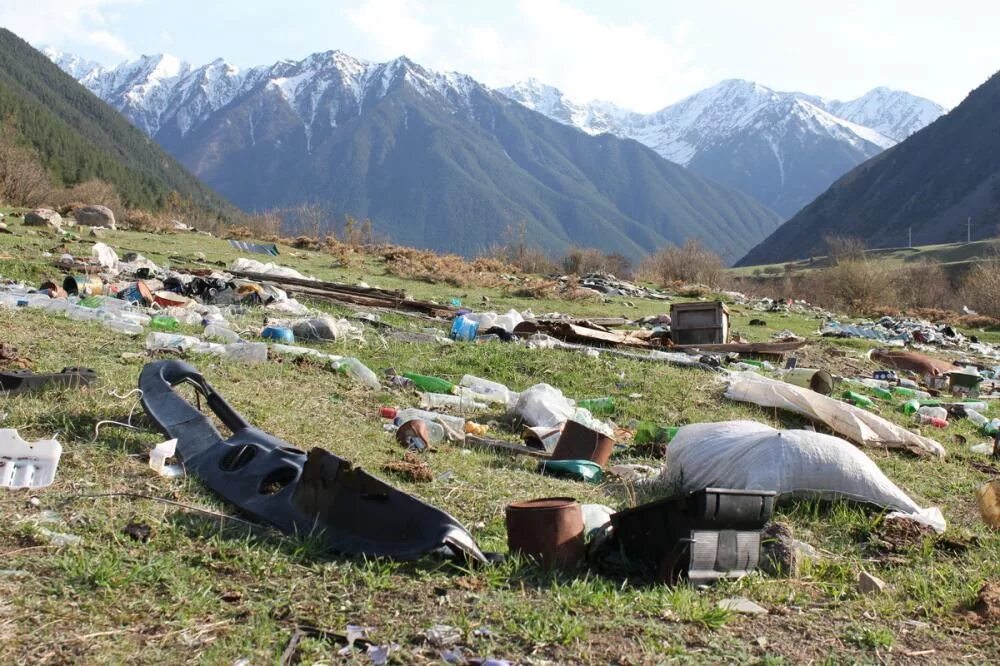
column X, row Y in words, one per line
column 893, row 113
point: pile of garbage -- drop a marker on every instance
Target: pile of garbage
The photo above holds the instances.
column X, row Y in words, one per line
column 608, row 285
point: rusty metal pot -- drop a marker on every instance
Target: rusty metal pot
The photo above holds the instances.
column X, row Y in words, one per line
column 578, row 442
column 549, row 529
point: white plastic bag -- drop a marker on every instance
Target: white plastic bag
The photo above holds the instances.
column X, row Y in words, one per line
column 797, row 463
column 544, row 405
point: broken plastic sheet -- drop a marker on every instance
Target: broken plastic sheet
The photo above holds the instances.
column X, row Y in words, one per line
column 27, row 464
column 105, row 256
column 853, row 423
column 794, row 463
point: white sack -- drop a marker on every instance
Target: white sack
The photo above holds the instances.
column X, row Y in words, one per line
column 105, row 256
column 254, row 266
column 853, row 423
column 796, row 463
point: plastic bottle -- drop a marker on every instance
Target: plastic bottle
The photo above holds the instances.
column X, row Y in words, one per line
column 430, row 384
column 970, row 404
column 487, row 390
column 911, row 406
column 246, row 352
column 858, row 400
column 359, row 371
column 884, row 394
column 462, row 402
column 872, row 383
column 992, row 428
column 221, row 333
column 434, row 430
column 924, row 419
column 464, row 328
column 933, row 412
column 163, row 323
column 910, row 392
column 171, row 341
column 456, row 423
column 976, row 417
column 908, row 383
column 122, row 326
column 604, row 405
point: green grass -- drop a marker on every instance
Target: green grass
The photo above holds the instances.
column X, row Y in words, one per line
column 209, row 590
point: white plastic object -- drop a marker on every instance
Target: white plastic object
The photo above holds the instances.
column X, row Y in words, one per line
column 544, row 405
column 246, row 352
column 221, row 333
column 104, row 255
column 27, row 464
column 933, row 412
column 976, row 417
column 794, row 463
column 461, row 402
column 358, row 371
column 122, row 326
column 487, row 390
column 454, row 423
column 159, row 340
column 158, row 459
column 974, row 406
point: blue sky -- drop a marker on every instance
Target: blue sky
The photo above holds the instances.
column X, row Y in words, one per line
column 642, row 54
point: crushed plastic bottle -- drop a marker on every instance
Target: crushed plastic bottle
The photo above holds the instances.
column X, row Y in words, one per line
column 934, row 412
column 123, row 326
column 219, row 332
column 484, row 389
column 454, row 423
column 925, row 419
column 460, row 402
column 358, row 371
column 858, row 400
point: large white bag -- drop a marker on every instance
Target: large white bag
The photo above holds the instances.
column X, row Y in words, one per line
column 797, row 463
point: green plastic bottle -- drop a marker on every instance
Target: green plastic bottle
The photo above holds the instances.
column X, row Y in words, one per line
column 878, row 392
column 648, row 433
column 430, row 384
column 911, row 406
column 858, row 400
column 164, row 323
column 598, row 405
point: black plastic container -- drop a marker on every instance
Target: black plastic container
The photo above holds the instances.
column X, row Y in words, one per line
column 710, row 534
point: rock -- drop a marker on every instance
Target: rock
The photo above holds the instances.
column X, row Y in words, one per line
column 869, row 584
column 95, row 216
column 781, row 554
column 4, row 229
column 741, row 605
column 97, row 232
column 43, row 217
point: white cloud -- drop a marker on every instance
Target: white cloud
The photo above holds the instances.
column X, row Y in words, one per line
column 70, row 25
column 393, row 28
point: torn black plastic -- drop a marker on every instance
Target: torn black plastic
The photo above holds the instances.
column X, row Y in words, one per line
column 317, row 493
column 26, row 381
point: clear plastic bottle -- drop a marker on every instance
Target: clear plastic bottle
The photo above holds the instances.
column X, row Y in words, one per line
column 122, row 326
column 246, row 352
column 455, row 423
column 926, row 419
column 223, row 333
column 358, row 371
column 484, row 389
column 158, row 340
column 461, row 402
column 933, row 412
column 434, row 429
column 976, row 417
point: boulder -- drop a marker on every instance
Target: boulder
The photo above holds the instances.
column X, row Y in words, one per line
column 43, row 217
column 95, row 216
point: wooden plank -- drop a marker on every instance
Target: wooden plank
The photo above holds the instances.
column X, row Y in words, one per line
column 500, row 446
column 746, row 348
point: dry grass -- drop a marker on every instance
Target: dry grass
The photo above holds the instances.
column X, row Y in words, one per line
column 980, row 289
column 450, row 269
column 690, row 263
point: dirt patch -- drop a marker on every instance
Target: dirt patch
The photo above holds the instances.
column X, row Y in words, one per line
column 11, row 360
column 410, row 468
column 986, row 608
column 901, row 534
column 825, row 356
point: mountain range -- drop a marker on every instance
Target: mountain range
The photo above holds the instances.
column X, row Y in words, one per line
column 942, row 184
column 76, row 137
column 782, row 148
column 435, row 159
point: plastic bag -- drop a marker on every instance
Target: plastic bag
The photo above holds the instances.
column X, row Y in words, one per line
column 544, row 405
column 794, row 463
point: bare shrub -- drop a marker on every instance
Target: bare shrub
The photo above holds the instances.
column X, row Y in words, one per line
column 844, row 248
column 143, row 220
column 451, row 269
column 921, row 285
column 516, row 252
column 356, row 233
column 980, row 288
column 689, row 263
column 88, row 193
column 23, row 179
column 855, row 286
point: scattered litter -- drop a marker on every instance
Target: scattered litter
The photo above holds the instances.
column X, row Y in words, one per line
column 442, row 635
column 27, row 464
column 793, row 463
column 741, row 605
column 257, row 248
column 158, row 457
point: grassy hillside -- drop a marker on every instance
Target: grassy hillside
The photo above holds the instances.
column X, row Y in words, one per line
column 78, row 137
column 953, row 256
column 206, row 589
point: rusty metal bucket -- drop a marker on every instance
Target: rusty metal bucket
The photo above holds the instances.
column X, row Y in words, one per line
column 578, row 442
column 549, row 529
